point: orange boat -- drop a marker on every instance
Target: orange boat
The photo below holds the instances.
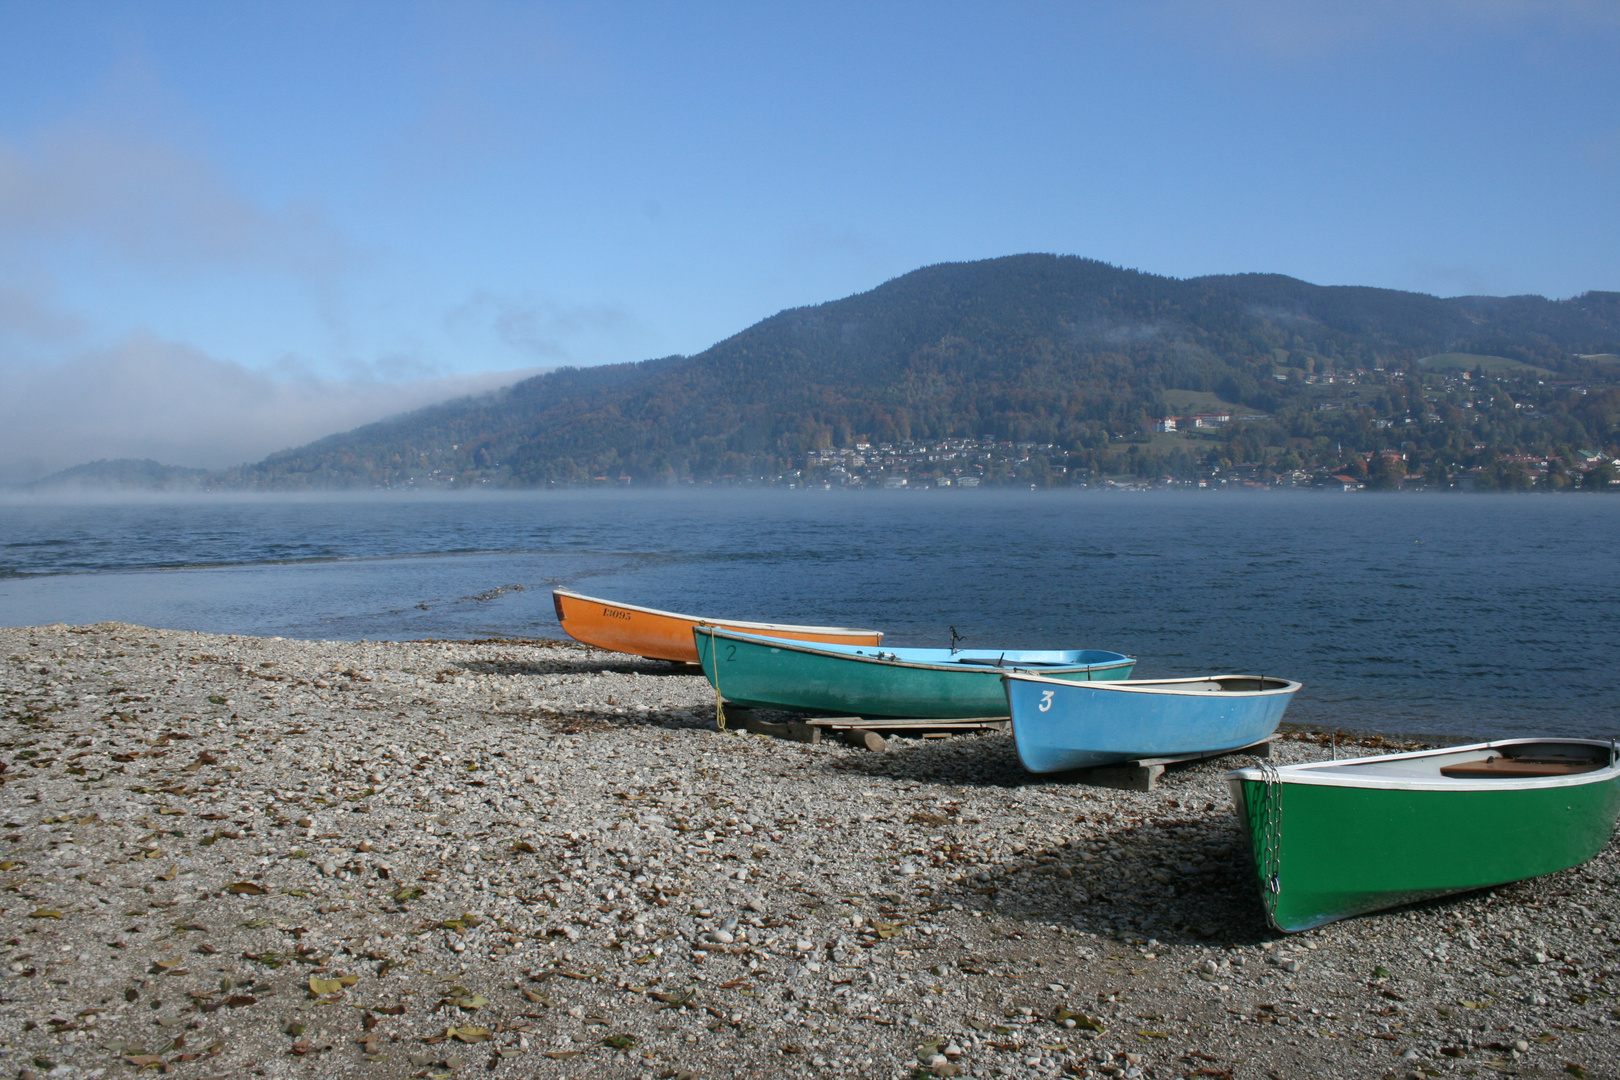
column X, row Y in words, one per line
column 663, row 635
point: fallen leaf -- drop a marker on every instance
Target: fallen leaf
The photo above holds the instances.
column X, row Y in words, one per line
column 563, row 1055
column 524, row 847
column 677, row 999
column 620, row 1042
column 45, row 913
column 468, row 1034
column 319, row 986
column 170, row 874
column 1081, row 1020
column 246, row 888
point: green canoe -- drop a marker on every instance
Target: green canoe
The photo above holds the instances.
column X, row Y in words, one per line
column 1333, row 839
column 864, row 680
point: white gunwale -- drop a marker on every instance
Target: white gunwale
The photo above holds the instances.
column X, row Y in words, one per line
column 1169, row 686
column 1337, row 774
column 723, row 631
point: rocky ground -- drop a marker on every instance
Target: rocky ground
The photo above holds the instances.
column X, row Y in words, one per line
column 228, row 856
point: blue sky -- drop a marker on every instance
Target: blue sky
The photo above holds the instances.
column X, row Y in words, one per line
column 226, row 228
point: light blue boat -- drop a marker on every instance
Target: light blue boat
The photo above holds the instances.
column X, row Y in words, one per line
column 1066, row 725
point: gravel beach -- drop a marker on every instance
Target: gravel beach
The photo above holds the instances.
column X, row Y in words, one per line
column 234, row 856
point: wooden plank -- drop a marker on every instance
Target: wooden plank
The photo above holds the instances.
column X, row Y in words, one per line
column 1125, row 777
column 791, row 731
column 984, row 723
column 1143, row 774
column 872, row 740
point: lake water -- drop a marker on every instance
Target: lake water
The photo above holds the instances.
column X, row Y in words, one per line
column 1446, row 615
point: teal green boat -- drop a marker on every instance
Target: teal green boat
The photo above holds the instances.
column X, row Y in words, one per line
column 864, row 680
column 1334, row 839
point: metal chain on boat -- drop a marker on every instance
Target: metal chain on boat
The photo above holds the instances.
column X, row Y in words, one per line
column 1270, row 836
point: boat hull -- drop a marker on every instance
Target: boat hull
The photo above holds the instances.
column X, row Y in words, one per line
column 665, row 635
column 773, row 674
column 1080, row 726
column 1347, row 851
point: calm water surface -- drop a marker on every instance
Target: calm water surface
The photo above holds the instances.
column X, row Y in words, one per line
column 1451, row 616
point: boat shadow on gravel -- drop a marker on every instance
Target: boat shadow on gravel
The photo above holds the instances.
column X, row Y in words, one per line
column 1182, row 880
column 1182, row 875
column 606, row 663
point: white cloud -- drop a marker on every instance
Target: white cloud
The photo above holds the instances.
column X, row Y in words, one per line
column 26, row 316
column 147, row 398
column 154, row 205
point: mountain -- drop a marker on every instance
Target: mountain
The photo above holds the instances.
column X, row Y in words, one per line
column 1064, row 353
column 130, row 474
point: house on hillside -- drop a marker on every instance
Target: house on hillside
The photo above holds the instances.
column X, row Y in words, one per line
column 1167, row 424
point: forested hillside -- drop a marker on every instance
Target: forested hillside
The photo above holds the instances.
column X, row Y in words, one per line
column 1068, row 356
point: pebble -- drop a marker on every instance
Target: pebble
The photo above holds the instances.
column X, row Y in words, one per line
column 496, row 835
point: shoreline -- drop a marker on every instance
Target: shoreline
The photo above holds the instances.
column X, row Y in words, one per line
column 538, row 859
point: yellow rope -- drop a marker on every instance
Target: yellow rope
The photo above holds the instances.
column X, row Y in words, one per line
column 719, row 702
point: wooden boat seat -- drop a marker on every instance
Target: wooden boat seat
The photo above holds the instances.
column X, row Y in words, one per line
column 1520, row 768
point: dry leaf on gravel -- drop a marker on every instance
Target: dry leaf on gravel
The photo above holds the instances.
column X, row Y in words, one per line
column 319, row 986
